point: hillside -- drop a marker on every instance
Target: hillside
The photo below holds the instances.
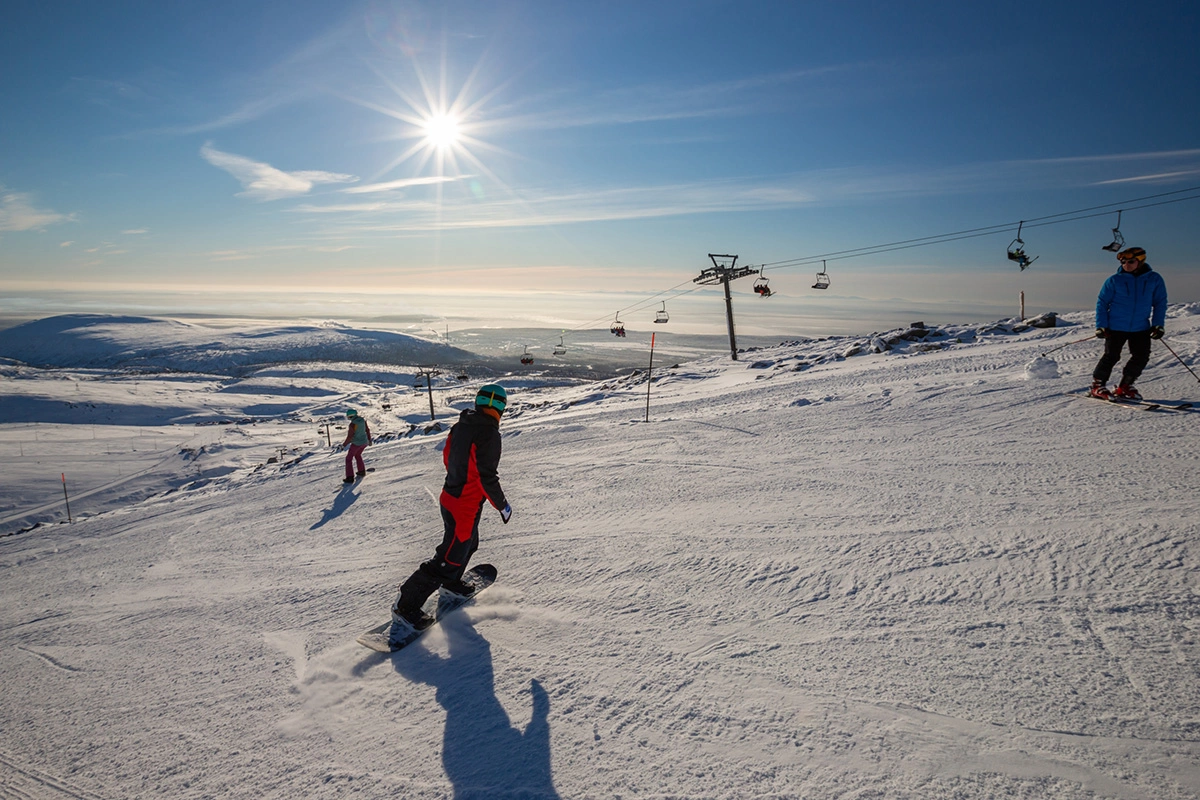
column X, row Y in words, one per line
column 910, row 565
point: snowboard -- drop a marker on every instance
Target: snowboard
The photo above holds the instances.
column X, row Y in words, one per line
column 381, row 638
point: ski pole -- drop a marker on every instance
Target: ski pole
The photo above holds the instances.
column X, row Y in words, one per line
column 1068, row 344
column 1181, row 361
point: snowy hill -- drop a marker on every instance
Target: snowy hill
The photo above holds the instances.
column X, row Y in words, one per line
column 908, row 565
column 148, row 344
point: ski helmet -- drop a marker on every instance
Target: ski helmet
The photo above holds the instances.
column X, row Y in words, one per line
column 350, row 412
column 492, row 396
column 1132, row 252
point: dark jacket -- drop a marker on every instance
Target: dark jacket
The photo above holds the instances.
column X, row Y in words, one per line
column 1132, row 301
column 472, row 458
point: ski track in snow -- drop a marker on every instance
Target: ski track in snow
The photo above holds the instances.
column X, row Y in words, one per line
column 924, row 573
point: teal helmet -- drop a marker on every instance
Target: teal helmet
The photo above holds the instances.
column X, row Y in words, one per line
column 492, row 396
column 350, row 412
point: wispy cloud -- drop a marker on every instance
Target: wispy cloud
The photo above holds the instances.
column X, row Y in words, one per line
column 135, row 231
column 389, row 186
column 261, row 181
column 18, row 213
column 65, row 244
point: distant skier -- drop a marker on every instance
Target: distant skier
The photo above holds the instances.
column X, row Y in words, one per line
column 357, row 438
column 1132, row 307
column 471, row 456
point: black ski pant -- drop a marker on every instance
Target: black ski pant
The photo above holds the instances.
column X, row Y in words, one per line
column 1139, row 355
column 448, row 563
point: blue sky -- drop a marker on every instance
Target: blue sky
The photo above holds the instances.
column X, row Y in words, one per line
column 232, row 154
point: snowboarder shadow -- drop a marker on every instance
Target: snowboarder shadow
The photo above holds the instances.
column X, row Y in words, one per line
column 343, row 500
column 483, row 754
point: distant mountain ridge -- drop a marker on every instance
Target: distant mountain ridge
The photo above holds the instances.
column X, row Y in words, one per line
column 105, row 341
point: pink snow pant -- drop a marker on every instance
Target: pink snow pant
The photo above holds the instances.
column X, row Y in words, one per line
column 354, row 454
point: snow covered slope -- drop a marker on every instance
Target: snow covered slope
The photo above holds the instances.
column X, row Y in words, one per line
column 819, row 571
column 150, row 344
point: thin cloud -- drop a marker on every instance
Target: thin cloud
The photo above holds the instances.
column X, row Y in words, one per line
column 17, row 213
column 401, row 184
column 263, row 182
column 135, row 231
column 1157, row 177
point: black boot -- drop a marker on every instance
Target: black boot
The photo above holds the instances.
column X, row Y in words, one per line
column 413, row 594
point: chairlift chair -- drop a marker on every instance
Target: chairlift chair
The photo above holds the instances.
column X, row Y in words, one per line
column 1016, row 250
column 617, row 328
column 662, row 315
column 527, row 358
column 1118, row 242
column 822, row 278
column 560, row 348
column 762, row 286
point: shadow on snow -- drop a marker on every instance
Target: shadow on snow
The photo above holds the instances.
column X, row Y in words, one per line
column 483, row 754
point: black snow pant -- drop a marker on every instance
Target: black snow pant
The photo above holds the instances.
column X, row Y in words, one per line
column 448, row 564
column 1139, row 355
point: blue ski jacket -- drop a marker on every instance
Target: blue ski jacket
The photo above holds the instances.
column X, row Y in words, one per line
column 1132, row 301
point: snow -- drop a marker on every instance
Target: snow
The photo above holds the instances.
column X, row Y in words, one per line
column 908, row 565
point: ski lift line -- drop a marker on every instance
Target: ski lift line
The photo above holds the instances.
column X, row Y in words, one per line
column 957, row 235
column 926, row 241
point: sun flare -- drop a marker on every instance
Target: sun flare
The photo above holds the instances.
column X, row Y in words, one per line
column 442, row 131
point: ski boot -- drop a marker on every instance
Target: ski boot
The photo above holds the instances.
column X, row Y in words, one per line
column 1125, row 391
column 1100, row 390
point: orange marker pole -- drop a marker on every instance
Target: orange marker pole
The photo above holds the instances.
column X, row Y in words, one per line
column 649, row 377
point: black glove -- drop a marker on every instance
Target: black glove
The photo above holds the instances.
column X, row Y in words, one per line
column 1157, row 332
column 1101, row 333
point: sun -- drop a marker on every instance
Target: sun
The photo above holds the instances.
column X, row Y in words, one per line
column 442, row 132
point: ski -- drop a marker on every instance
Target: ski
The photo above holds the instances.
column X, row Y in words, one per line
column 1134, row 405
column 388, row 637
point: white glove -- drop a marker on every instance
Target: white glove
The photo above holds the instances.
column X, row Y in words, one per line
column 506, row 512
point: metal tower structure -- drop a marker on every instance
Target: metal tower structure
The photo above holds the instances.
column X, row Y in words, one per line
column 724, row 270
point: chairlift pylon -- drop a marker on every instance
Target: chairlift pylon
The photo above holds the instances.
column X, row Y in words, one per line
column 1016, row 250
column 617, row 328
column 662, row 315
column 822, row 278
column 1118, row 241
column 762, row 284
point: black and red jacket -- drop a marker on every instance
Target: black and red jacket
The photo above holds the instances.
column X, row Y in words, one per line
column 472, row 458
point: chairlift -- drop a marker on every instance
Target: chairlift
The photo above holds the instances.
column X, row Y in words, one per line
column 762, row 286
column 1016, row 250
column 662, row 315
column 617, row 328
column 560, row 348
column 1118, row 242
column 822, row 278
column 527, row 358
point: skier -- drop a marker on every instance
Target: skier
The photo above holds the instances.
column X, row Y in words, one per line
column 471, row 456
column 1132, row 307
column 357, row 438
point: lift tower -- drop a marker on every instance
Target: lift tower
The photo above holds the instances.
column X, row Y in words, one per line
column 724, row 270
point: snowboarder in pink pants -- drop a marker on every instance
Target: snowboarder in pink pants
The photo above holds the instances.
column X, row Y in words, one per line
column 357, row 438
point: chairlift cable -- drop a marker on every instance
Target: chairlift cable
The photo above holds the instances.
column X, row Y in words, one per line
column 925, row 241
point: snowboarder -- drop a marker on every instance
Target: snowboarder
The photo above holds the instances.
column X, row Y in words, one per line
column 1132, row 307
column 471, row 456
column 357, row 438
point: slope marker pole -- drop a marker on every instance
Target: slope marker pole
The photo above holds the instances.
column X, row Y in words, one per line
column 66, row 499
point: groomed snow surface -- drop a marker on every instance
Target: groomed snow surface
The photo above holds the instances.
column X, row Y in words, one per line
column 820, row 571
